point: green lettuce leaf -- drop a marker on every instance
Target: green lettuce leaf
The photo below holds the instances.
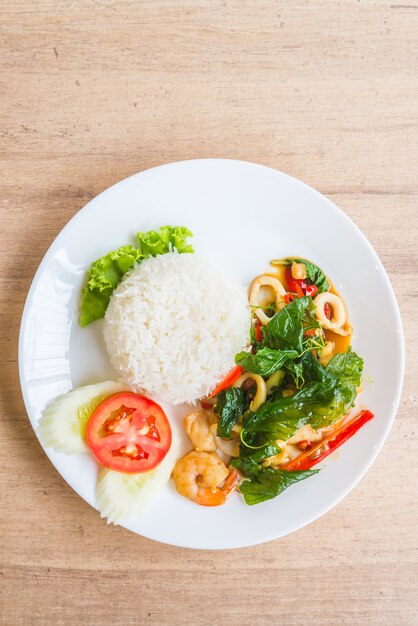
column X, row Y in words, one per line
column 106, row 273
column 266, row 361
column 103, row 276
column 179, row 236
column 169, row 237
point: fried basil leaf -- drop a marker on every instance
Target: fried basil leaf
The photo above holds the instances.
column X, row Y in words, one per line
column 315, row 275
column 230, row 405
column 249, row 461
column 270, row 482
column 266, row 361
column 343, row 376
column 285, row 330
column 319, row 403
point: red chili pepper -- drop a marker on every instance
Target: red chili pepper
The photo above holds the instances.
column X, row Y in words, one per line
column 229, row 380
column 206, row 405
column 333, row 441
column 288, row 297
column 257, row 331
column 299, row 291
column 310, row 332
column 327, row 310
column 311, row 290
column 293, row 282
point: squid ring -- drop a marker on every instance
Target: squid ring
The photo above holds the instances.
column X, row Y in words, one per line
column 264, row 280
column 338, row 322
column 261, row 394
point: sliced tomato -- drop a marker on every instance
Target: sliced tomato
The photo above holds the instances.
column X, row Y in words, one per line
column 129, row 433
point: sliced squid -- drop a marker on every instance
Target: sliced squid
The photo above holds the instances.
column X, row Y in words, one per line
column 264, row 280
column 230, row 447
column 338, row 322
column 261, row 394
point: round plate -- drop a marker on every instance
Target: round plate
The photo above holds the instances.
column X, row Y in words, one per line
column 242, row 216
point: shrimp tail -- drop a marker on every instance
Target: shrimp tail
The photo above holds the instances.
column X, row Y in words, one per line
column 221, row 494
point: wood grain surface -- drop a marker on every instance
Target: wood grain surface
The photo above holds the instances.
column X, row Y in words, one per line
column 92, row 92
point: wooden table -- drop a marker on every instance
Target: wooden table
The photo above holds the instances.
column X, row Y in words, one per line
column 95, row 91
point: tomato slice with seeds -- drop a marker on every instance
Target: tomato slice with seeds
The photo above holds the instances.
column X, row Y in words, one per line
column 129, row 433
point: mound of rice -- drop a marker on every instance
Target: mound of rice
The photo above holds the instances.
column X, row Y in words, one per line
column 174, row 325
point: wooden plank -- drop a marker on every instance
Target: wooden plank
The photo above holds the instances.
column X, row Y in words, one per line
column 95, row 91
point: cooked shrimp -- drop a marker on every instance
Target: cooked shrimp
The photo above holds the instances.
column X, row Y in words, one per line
column 204, row 478
column 197, row 425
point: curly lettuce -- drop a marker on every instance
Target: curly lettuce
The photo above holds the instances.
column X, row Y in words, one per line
column 105, row 273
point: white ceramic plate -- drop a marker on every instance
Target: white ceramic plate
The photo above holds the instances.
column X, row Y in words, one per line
column 242, row 215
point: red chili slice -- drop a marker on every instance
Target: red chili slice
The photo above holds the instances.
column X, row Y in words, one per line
column 257, row 331
column 292, row 283
column 229, row 380
column 288, row 297
column 344, row 432
column 311, row 290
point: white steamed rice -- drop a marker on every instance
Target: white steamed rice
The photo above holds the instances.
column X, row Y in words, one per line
column 174, row 325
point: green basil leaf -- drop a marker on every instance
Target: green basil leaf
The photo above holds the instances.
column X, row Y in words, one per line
column 266, row 361
column 270, row 482
column 248, row 463
column 315, row 275
column 285, row 330
column 327, row 396
column 230, row 405
column 342, row 375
